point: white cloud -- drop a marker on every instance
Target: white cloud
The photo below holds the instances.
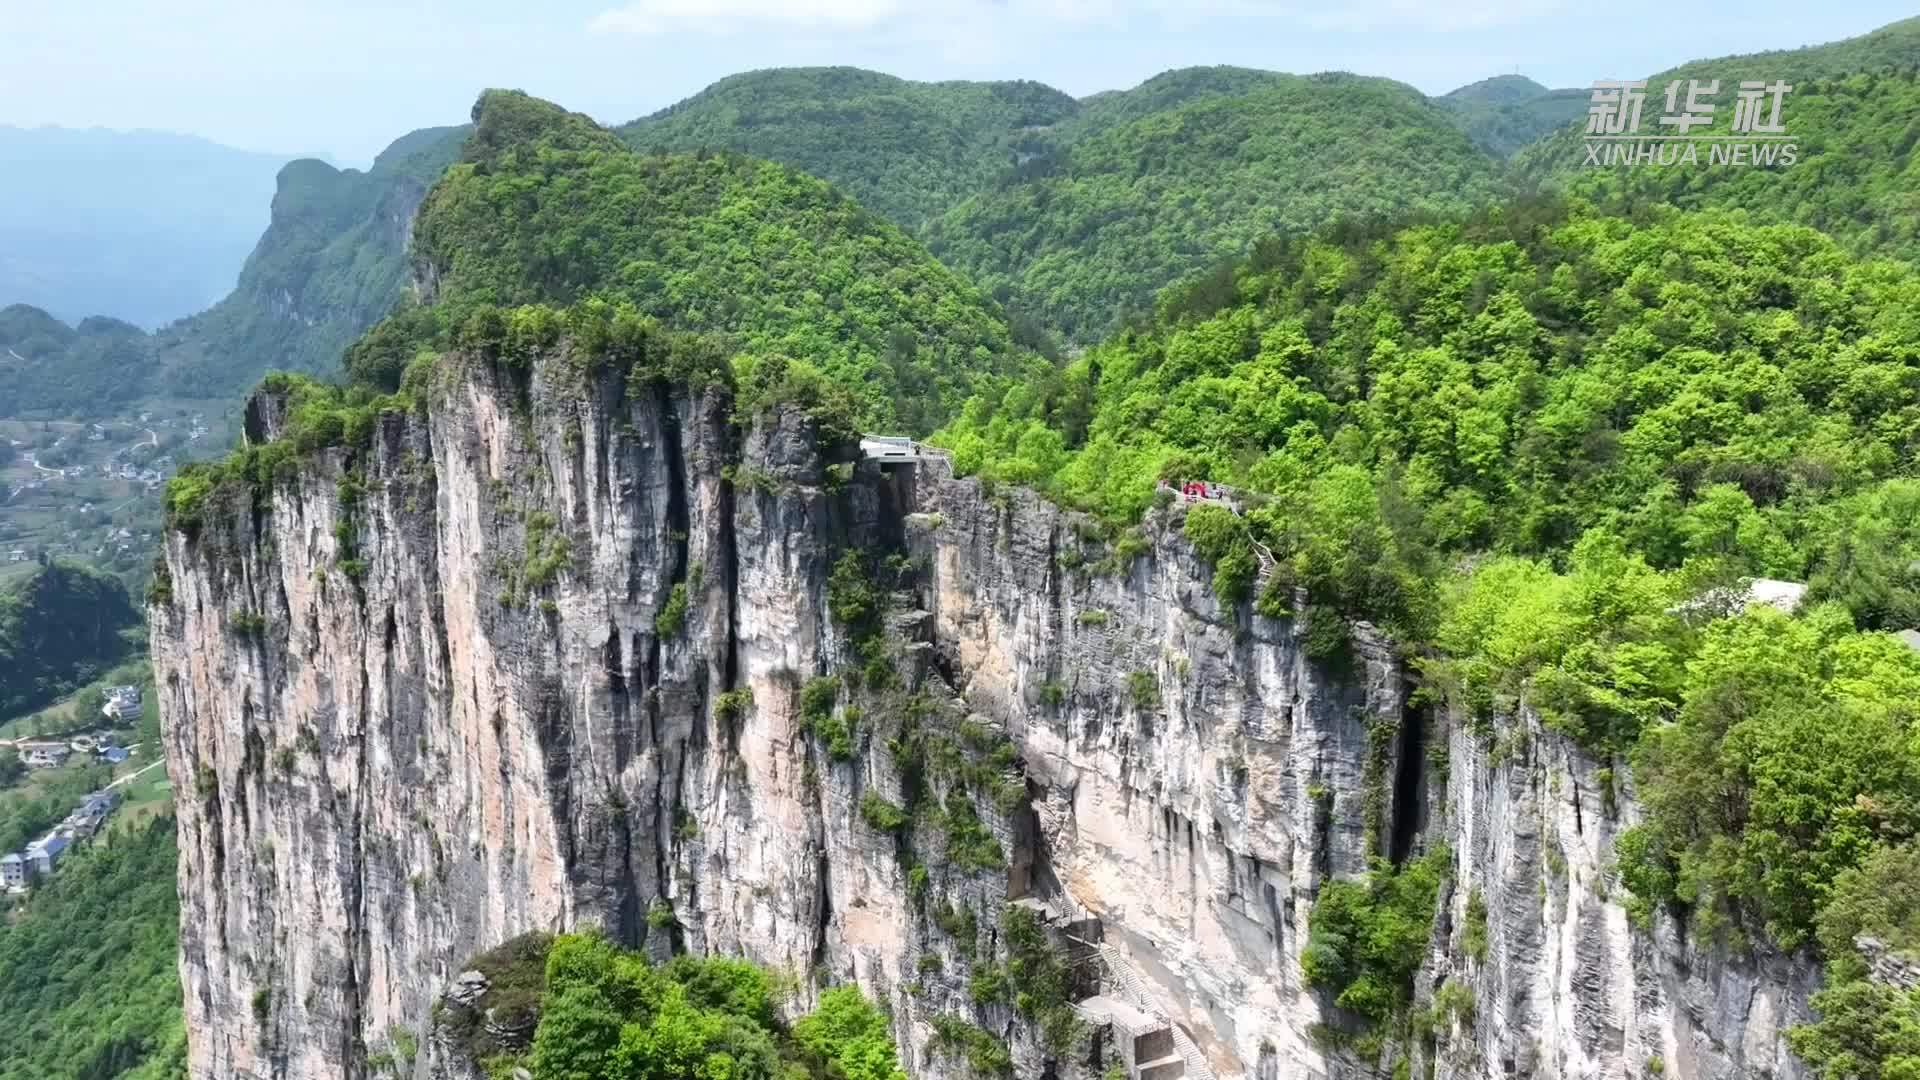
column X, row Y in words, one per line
column 1427, row 15
column 937, row 18
column 722, row 16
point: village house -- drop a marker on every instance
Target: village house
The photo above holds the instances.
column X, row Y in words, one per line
column 123, row 704
column 43, row 755
column 45, row 853
column 86, row 819
column 15, row 870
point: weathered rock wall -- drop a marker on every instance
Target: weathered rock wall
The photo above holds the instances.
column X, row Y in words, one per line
column 403, row 741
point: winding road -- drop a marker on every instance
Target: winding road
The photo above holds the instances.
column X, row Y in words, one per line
column 137, row 773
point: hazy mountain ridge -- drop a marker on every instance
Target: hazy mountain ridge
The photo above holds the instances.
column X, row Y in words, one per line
column 330, row 263
column 144, row 226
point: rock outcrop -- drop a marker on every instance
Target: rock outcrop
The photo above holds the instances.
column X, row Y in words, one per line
column 486, row 676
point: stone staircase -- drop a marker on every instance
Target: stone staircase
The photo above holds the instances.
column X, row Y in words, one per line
column 1183, row 1059
column 1161, row 1048
column 1268, row 566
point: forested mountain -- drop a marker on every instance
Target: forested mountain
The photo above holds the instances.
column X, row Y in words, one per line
column 1854, row 178
column 1167, row 90
column 140, row 226
column 1087, row 233
column 547, row 207
column 46, row 365
column 331, row 264
column 1506, row 112
column 1854, row 114
column 906, row 150
column 1895, row 45
column 88, row 981
column 61, row 625
column 1074, row 212
column 1602, row 416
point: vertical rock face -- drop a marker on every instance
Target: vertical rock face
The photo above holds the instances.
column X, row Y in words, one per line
column 441, row 692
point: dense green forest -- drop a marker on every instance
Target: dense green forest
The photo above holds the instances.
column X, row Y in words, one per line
column 905, row 150
column 1505, row 113
column 88, row 985
column 1855, row 136
column 1166, row 91
column 1075, row 211
column 1082, row 236
column 547, row 207
column 1895, row 45
column 49, row 367
column 607, row 1014
column 1610, row 414
column 61, row 626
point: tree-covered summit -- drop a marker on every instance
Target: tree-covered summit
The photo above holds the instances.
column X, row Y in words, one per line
column 905, row 150
column 1088, row 231
column 1854, row 135
column 546, row 207
column 1507, row 112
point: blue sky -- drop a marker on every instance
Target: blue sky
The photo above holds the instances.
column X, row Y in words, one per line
column 344, row 77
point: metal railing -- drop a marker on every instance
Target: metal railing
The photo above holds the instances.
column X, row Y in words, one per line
column 1135, row 989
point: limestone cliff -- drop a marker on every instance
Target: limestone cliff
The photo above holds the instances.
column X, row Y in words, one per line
column 484, row 677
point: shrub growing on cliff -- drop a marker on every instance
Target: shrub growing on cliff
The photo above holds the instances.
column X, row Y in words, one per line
column 605, row 1012
column 847, row 1031
column 1366, row 938
column 1220, row 536
column 1474, row 937
column 851, row 594
column 1041, row 980
column 969, row 844
column 880, row 814
column 733, row 704
column 516, row 973
column 673, row 614
column 1143, row 689
column 986, row 1055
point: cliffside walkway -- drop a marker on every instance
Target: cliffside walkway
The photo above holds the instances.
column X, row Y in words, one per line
column 898, row 448
column 1134, row 988
column 1158, row 1048
column 1212, row 494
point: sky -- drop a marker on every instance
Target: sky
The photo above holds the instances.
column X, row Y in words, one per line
column 342, row 78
